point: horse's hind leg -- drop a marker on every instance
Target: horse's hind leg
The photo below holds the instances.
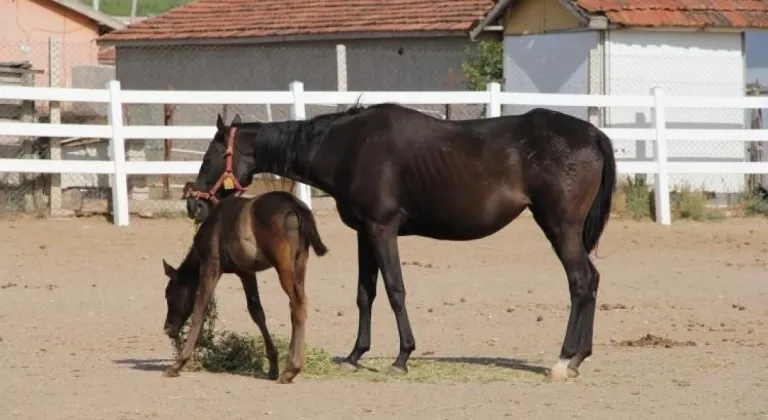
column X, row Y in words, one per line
column 291, row 271
column 209, row 277
column 583, row 278
column 298, row 319
column 251, row 289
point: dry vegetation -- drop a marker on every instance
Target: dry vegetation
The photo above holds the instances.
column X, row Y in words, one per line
column 634, row 198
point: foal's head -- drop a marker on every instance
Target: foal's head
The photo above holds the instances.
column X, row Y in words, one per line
column 180, row 298
column 214, row 166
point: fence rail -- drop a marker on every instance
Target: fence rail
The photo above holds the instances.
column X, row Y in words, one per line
column 118, row 168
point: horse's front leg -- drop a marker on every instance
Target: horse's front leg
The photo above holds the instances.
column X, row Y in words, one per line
column 209, row 276
column 384, row 243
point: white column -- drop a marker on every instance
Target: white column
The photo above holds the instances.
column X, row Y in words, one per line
column 119, row 179
column 663, row 207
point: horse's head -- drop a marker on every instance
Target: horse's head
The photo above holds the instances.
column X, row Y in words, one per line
column 226, row 169
column 179, row 298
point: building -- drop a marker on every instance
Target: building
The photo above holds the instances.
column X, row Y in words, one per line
column 26, row 27
column 265, row 45
column 628, row 47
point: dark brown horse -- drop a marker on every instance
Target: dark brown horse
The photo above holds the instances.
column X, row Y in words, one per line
column 394, row 171
column 243, row 236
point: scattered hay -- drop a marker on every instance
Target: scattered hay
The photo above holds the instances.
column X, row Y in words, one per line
column 244, row 354
column 654, row 341
column 447, row 370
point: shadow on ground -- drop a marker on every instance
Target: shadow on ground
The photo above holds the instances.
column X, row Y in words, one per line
column 421, row 369
column 149, row 365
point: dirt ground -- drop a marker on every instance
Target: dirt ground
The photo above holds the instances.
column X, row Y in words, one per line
column 82, row 308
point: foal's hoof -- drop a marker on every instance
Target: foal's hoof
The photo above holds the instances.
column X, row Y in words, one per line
column 285, row 379
column 347, row 367
column 561, row 372
column 171, row 373
column 397, row 371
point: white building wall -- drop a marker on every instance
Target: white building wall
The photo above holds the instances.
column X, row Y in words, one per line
column 549, row 63
column 708, row 64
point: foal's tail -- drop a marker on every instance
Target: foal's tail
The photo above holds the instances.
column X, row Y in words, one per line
column 308, row 230
column 601, row 207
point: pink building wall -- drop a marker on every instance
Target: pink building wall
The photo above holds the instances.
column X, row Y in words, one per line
column 27, row 25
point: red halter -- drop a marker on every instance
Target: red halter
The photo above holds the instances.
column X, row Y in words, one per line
column 227, row 179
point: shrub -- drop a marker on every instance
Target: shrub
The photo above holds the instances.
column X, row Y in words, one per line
column 688, row 203
column 756, row 205
column 485, row 66
column 633, row 198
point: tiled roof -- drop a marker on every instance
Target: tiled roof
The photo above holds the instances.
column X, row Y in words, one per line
column 221, row 19
column 681, row 13
column 107, row 55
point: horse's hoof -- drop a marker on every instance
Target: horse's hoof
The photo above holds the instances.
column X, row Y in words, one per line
column 396, row 371
column 171, row 373
column 347, row 367
column 273, row 374
column 285, row 379
column 561, row 371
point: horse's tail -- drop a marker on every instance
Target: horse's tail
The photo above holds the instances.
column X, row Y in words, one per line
column 600, row 211
column 308, row 229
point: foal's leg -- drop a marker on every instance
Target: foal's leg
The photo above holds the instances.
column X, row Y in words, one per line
column 298, row 305
column 209, row 277
column 367, row 272
column 583, row 279
column 384, row 242
column 251, row 289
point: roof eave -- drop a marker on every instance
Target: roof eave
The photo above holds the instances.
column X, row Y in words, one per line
column 280, row 38
column 594, row 22
column 94, row 15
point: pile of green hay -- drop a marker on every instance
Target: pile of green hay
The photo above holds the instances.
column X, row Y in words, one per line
column 244, row 354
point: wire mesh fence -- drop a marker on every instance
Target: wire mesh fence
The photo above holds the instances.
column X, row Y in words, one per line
column 365, row 65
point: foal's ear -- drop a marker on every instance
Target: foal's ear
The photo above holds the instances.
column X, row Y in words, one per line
column 236, row 120
column 220, row 123
column 169, row 270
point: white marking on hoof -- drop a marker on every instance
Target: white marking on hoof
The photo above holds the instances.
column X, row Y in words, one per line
column 560, row 371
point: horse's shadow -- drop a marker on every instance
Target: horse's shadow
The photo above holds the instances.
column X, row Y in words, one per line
column 148, row 365
column 501, row 362
column 158, row 365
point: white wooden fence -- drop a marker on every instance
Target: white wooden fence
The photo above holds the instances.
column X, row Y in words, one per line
column 118, row 168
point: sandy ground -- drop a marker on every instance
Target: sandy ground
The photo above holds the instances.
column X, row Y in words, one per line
column 81, row 313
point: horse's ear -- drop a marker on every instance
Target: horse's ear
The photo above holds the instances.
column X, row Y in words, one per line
column 169, row 270
column 236, row 120
column 220, row 123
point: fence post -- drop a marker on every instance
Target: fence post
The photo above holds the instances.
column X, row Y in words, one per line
column 663, row 208
column 341, row 71
column 494, row 100
column 54, row 80
column 119, row 178
column 299, row 112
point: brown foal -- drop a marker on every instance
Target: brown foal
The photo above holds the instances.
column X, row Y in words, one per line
column 243, row 236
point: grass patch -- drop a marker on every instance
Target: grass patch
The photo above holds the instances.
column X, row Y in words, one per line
column 692, row 204
column 244, row 354
column 756, row 206
column 633, row 198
